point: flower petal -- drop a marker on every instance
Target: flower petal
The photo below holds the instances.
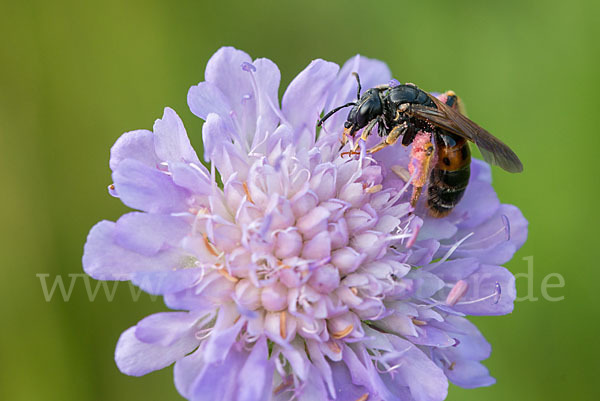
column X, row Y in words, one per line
column 148, row 189
column 147, row 233
column 469, row 374
column 136, row 358
column 206, row 98
column 165, row 328
column 415, row 366
column 267, row 78
column 105, row 260
column 256, row 376
column 483, row 286
column 170, row 281
column 305, row 97
column 137, row 145
column 171, row 141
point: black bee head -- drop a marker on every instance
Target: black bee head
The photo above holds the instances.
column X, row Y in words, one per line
column 368, row 108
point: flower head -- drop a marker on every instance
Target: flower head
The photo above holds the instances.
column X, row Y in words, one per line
column 297, row 273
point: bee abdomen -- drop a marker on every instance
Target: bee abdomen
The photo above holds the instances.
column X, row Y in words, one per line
column 450, row 175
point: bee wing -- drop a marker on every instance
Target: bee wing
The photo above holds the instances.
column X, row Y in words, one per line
column 492, row 149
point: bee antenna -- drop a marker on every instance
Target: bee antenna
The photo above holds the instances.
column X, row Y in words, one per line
column 332, row 112
column 357, row 81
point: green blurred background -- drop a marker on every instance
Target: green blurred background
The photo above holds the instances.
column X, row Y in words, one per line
column 74, row 75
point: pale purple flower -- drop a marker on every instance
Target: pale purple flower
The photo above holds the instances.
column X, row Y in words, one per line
column 298, row 274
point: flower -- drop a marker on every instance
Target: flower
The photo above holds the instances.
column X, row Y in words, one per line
column 297, row 273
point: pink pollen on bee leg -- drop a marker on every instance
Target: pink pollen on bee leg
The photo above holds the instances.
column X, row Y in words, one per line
column 418, row 153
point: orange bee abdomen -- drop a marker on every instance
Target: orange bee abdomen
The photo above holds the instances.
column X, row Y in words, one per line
column 450, row 175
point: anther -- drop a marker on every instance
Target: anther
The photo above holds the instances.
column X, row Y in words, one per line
column 228, row 276
column 211, row 248
column 285, row 384
column 202, row 334
column 401, row 172
column 418, row 322
column 338, row 335
column 282, row 324
column 374, row 189
column 363, row 397
column 457, row 292
column 496, row 295
column 247, row 192
column 506, row 226
column 334, row 347
column 248, row 67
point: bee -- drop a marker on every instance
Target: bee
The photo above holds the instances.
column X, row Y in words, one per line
column 439, row 132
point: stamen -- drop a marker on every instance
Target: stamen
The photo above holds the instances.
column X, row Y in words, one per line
column 111, row 187
column 454, row 247
column 401, row 172
column 341, row 334
column 282, row 324
column 228, row 276
column 457, row 292
column 249, row 67
column 496, row 294
column 388, row 370
column 354, row 290
column 418, row 322
column 398, row 236
column 211, row 248
column 452, row 365
column 285, row 384
column 334, row 347
column 363, row 397
column 393, row 200
column 506, row 226
column 203, row 334
column 247, row 192
column 499, row 292
column 374, row 189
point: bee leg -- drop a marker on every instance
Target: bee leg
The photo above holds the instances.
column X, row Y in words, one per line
column 344, row 136
column 391, row 138
column 365, row 135
column 421, row 156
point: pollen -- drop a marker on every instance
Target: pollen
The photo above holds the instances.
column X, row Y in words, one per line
column 374, row 189
column 228, row 276
column 211, row 248
column 401, row 172
column 282, row 324
column 334, row 347
column 363, row 397
column 247, row 192
column 338, row 335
